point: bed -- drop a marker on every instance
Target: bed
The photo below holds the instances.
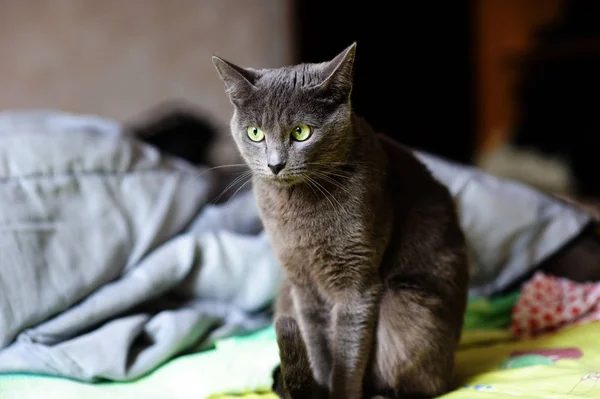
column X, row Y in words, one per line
column 491, row 363
column 167, row 296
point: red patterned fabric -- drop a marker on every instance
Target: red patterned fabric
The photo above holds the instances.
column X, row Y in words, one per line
column 547, row 303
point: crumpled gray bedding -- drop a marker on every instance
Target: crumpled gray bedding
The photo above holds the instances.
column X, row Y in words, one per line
column 113, row 259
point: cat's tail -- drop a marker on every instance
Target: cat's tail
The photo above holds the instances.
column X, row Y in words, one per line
column 293, row 379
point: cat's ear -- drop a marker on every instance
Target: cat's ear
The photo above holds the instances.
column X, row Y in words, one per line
column 339, row 73
column 239, row 82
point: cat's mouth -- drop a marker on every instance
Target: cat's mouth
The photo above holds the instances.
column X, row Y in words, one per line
column 284, row 180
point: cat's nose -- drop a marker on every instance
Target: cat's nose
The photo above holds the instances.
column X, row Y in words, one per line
column 276, row 168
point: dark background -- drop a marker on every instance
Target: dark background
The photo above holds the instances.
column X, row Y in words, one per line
column 422, row 76
column 414, row 66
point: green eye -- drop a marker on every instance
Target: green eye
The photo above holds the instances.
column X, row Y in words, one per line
column 301, row 132
column 255, row 134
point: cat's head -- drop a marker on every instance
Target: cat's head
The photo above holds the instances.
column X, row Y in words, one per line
column 293, row 121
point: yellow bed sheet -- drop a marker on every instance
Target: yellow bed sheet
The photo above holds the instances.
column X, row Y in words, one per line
column 491, row 365
column 565, row 364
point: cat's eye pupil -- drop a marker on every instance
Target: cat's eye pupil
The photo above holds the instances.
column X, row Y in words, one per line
column 255, row 134
column 301, row 133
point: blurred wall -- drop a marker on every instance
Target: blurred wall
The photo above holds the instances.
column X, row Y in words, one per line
column 118, row 58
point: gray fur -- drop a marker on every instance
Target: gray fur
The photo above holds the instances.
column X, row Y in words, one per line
column 375, row 261
column 293, row 379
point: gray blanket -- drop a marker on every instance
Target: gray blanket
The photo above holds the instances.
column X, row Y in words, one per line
column 113, row 260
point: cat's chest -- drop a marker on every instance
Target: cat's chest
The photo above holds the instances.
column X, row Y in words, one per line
column 303, row 232
column 294, row 224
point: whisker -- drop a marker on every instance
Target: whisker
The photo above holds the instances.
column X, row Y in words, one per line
column 235, row 181
column 327, row 163
column 328, row 171
column 310, row 179
column 328, row 195
column 353, row 162
column 334, row 173
column 333, row 182
column 238, row 179
column 233, row 165
column 341, row 207
column 305, row 176
column 360, row 164
column 238, row 190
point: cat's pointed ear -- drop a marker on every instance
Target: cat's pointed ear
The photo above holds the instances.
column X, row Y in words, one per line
column 339, row 72
column 239, row 82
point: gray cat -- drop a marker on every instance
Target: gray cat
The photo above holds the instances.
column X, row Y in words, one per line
column 375, row 260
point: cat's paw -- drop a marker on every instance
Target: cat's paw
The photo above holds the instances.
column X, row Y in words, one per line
column 293, row 379
column 278, row 385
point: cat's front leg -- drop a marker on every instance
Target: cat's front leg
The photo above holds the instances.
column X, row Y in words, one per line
column 354, row 319
column 314, row 317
